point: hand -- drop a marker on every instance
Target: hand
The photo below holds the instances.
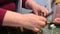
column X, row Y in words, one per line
column 32, row 22
column 35, row 7
column 38, row 8
column 28, row 21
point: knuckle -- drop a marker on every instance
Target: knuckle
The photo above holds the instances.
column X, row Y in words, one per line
column 44, row 23
column 43, row 18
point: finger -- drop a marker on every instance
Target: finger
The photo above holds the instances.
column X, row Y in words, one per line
column 32, row 27
column 37, row 25
column 43, row 9
column 35, row 29
column 41, row 23
column 45, row 12
column 42, row 18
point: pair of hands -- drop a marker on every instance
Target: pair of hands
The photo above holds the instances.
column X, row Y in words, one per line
column 33, row 21
column 28, row 21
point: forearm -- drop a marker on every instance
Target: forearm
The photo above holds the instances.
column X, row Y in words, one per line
column 12, row 19
column 30, row 4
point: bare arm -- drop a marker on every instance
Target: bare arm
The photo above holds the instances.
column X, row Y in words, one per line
column 28, row 21
column 11, row 19
column 35, row 7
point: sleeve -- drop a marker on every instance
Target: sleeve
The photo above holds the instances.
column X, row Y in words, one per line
column 2, row 14
column 23, row 3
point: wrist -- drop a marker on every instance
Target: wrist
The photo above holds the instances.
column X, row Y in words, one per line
column 12, row 19
column 30, row 4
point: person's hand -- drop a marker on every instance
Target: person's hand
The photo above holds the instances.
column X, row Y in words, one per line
column 38, row 8
column 33, row 22
column 35, row 7
column 28, row 21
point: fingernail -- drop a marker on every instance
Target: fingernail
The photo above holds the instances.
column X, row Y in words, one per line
column 36, row 29
column 42, row 23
